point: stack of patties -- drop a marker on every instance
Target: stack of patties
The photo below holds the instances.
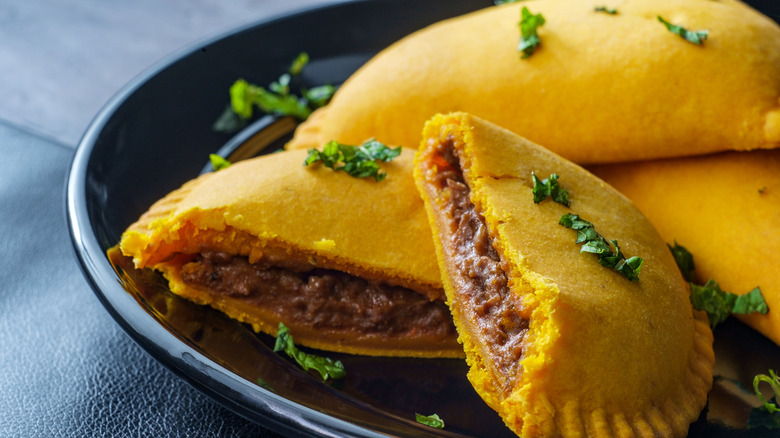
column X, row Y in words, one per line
column 609, row 84
column 346, row 264
column 573, row 315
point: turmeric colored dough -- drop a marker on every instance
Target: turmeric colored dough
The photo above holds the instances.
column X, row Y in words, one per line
column 600, row 88
column 724, row 208
column 347, row 264
column 556, row 343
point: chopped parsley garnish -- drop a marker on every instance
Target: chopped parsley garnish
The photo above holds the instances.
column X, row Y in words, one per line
column 693, row 36
column 299, row 63
column 318, row 96
column 430, row 420
column 277, row 99
column 503, row 2
column 606, row 10
column 358, row 161
column 549, row 188
column 710, row 298
column 244, row 96
column 594, row 243
column 217, row 162
column 328, row 368
column 529, row 38
column 684, row 260
column 719, row 304
column 768, row 414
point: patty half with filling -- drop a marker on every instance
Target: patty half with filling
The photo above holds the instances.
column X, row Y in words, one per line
column 347, row 264
column 557, row 343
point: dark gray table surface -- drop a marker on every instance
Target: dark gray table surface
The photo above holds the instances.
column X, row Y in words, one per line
column 66, row 368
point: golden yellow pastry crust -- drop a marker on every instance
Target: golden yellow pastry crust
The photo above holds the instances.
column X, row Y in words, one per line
column 601, row 88
column 273, row 207
column 724, row 209
column 604, row 356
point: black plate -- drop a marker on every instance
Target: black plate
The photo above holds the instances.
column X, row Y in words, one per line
column 155, row 134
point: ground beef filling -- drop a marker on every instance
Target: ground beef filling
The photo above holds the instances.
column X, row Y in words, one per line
column 322, row 299
column 485, row 295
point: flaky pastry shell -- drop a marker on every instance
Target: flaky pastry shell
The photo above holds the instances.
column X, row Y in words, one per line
column 602, row 356
column 273, row 210
column 600, row 87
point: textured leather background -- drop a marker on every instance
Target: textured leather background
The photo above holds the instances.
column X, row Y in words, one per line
column 66, row 368
column 63, row 59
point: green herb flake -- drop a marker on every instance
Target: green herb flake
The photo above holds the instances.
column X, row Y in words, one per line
column 594, row 243
column 606, row 10
column 549, row 188
column 761, row 190
column 430, row 420
column 328, row 368
column 684, row 260
column 529, row 38
column 244, row 96
column 719, row 304
column 693, row 36
column 710, row 298
column 766, row 415
column 358, row 161
column 240, row 99
column 217, row 162
column 318, row 96
column 282, row 85
column 299, row 63
column 278, row 98
column 751, row 302
column 503, row 2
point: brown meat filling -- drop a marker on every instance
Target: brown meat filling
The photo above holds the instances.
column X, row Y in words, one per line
column 485, row 297
column 322, row 299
